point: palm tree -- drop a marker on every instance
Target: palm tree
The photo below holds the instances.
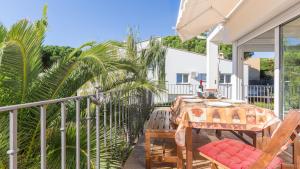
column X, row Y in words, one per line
column 150, row 59
column 22, row 80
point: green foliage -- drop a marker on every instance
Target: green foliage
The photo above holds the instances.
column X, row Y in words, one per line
column 25, row 78
column 267, row 68
column 199, row 46
column 291, row 65
column 153, row 57
column 264, row 105
column 226, row 50
column 193, row 45
column 52, row 54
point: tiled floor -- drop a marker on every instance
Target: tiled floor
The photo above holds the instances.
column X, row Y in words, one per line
column 137, row 157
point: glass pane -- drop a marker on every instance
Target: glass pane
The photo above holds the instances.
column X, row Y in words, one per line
column 185, row 78
column 228, row 78
column 221, row 78
column 204, row 77
column 291, row 64
column 201, row 76
column 178, row 78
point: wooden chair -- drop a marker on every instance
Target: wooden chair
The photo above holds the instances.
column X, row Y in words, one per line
column 228, row 153
column 160, row 127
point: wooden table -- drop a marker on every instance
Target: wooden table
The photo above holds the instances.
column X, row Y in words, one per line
column 243, row 118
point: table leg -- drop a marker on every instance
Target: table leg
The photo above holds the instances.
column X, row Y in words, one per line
column 180, row 158
column 147, row 148
column 189, row 148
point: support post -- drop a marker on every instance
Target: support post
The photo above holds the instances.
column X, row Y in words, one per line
column 212, row 63
column 212, row 50
column 277, row 81
column 238, row 71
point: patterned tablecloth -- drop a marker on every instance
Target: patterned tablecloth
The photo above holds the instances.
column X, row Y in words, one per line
column 243, row 117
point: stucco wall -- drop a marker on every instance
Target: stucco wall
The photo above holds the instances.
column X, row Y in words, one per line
column 179, row 61
column 254, row 68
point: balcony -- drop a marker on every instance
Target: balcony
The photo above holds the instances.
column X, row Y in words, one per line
column 105, row 129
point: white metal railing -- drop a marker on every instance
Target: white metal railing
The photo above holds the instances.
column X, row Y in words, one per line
column 254, row 94
column 127, row 108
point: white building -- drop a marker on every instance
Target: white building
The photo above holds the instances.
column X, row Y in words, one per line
column 183, row 67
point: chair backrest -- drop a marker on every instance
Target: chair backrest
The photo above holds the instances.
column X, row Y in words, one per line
column 287, row 132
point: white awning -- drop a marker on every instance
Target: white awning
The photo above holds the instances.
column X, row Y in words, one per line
column 237, row 16
column 197, row 16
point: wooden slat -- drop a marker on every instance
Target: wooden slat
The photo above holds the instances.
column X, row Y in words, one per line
column 280, row 138
column 167, row 120
column 159, row 128
column 162, row 121
column 151, row 119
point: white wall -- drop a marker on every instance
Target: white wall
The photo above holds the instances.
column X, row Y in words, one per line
column 179, row 61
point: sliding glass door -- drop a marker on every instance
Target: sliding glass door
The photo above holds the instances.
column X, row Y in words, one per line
column 290, row 50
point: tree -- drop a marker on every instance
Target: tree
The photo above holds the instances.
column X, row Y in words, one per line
column 199, row 46
column 23, row 79
column 266, row 68
column 154, row 59
column 51, row 54
column 194, row 45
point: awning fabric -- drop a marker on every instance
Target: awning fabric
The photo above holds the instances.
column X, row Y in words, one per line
column 197, row 16
column 238, row 17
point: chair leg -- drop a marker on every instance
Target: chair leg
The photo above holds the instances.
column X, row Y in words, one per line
column 147, row 149
column 297, row 152
column 218, row 133
column 214, row 166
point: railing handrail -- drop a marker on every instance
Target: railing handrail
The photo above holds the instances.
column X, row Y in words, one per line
column 41, row 103
column 129, row 111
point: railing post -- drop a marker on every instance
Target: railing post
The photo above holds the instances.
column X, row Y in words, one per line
column 88, row 130
column 104, row 119
column 97, row 133
column 119, row 112
column 13, row 132
column 63, row 135
column 127, row 119
column 77, row 134
column 110, row 118
column 115, row 119
column 43, row 137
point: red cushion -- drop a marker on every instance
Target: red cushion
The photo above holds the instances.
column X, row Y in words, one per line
column 235, row 154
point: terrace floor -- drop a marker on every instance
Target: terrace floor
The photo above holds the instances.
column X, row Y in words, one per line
column 137, row 157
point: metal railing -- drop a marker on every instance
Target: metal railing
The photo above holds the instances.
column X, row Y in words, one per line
column 261, row 95
column 123, row 116
column 174, row 90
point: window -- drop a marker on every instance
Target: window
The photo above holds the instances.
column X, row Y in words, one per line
column 225, row 78
column 201, row 76
column 290, row 55
column 182, row 78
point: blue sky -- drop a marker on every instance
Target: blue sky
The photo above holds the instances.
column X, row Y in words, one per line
column 74, row 22
column 71, row 23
